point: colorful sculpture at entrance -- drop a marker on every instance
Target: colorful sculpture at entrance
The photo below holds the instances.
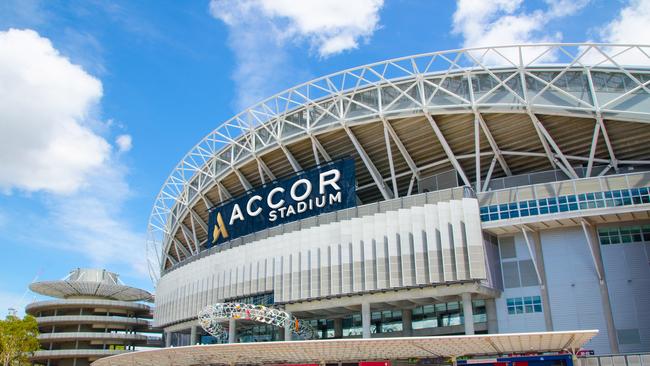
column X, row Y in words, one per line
column 211, row 316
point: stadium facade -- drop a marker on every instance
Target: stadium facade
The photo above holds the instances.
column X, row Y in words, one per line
column 94, row 315
column 492, row 190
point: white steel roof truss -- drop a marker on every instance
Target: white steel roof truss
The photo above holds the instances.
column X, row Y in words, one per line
column 374, row 173
column 239, row 133
column 447, row 148
column 551, row 141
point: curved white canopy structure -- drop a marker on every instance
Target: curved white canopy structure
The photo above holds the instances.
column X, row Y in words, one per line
column 349, row 350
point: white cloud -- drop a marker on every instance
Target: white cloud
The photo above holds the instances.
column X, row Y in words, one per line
column 260, row 32
column 628, row 25
column 331, row 26
column 627, row 28
column 45, row 101
column 506, row 22
column 92, row 223
column 124, row 142
column 51, row 142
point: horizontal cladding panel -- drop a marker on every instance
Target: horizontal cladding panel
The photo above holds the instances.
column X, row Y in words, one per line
column 421, row 245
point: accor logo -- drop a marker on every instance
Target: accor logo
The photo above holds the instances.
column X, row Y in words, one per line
column 219, row 229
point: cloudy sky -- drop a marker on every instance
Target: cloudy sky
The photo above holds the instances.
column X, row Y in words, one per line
column 99, row 100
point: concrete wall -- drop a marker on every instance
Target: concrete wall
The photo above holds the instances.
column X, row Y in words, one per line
column 526, row 322
column 573, row 285
column 627, row 270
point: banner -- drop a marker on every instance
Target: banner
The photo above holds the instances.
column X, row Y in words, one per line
column 325, row 188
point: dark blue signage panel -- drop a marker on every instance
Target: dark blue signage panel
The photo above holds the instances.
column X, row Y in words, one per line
column 325, row 188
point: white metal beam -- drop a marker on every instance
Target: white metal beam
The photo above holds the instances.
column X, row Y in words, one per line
column 206, row 201
column 179, row 246
column 592, row 151
column 551, row 142
column 493, row 144
column 486, row 184
column 190, row 238
column 448, row 151
column 265, row 168
column 532, row 255
column 608, row 143
column 590, row 243
column 294, row 163
column 317, row 145
column 199, row 220
column 197, row 243
column 391, row 164
column 244, row 182
column 411, row 185
column 261, row 173
column 223, row 192
column 401, row 148
column 376, row 176
column 477, row 153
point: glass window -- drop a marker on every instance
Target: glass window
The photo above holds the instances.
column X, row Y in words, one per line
column 386, row 321
column 628, row 336
column 425, row 317
column 528, row 273
column 624, row 234
column 352, row 326
column 510, row 274
column 583, row 201
column 478, row 308
column 524, row 305
column 507, row 246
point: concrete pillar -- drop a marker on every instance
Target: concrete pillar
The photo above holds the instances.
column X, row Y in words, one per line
column 407, row 322
column 194, row 339
column 168, row 339
column 491, row 314
column 338, row 328
column 288, row 333
column 468, row 312
column 365, row 319
column 546, row 302
column 594, row 247
column 232, row 331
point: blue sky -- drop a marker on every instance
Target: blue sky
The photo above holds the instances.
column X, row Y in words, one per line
column 99, row 100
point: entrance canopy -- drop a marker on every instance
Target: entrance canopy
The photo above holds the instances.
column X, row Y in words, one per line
column 318, row 351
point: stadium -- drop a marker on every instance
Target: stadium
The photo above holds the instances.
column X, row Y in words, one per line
column 477, row 191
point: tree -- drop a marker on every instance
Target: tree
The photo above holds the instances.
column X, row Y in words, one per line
column 18, row 340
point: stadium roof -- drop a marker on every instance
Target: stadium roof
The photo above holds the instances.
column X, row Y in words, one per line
column 484, row 112
column 317, row 351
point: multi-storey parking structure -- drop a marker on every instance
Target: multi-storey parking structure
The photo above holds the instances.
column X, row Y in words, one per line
column 94, row 315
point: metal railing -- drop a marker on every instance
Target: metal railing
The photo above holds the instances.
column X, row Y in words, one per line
column 630, row 359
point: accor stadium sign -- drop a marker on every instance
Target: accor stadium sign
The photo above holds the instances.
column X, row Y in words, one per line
column 325, row 188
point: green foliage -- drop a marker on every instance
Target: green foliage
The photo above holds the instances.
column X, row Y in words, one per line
column 18, row 340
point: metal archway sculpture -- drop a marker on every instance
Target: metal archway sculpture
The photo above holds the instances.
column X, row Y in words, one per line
column 211, row 316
